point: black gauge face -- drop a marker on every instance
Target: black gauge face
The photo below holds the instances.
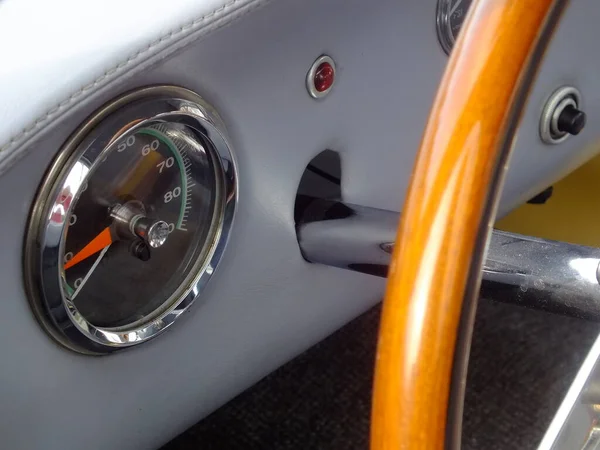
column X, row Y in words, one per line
column 450, row 17
column 115, row 274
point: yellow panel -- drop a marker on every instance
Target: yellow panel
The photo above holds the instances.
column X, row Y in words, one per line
column 572, row 214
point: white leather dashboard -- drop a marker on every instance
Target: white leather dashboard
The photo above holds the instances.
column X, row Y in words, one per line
column 57, row 54
column 63, row 59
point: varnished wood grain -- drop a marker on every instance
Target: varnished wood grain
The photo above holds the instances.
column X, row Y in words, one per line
column 441, row 220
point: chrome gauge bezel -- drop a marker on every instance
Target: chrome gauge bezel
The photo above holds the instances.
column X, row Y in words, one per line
column 442, row 22
column 444, row 25
column 44, row 242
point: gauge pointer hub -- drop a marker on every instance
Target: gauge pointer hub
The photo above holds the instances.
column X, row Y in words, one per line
column 129, row 223
column 154, row 233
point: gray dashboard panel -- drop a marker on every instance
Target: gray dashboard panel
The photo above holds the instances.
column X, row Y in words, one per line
column 265, row 304
column 415, row 63
column 570, row 60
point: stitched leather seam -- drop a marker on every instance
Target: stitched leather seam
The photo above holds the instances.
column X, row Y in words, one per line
column 183, row 30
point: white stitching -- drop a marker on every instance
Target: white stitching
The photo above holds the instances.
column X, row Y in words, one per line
column 182, row 29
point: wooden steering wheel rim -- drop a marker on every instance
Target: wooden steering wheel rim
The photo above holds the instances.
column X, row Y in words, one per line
column 446, row 221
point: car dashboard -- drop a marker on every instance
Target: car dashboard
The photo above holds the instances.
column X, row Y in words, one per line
column 251, row 61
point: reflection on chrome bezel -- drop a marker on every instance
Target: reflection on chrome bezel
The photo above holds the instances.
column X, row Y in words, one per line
column 44, row 241
column 442, row 21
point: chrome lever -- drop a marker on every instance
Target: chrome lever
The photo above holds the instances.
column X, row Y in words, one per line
column 553, row 276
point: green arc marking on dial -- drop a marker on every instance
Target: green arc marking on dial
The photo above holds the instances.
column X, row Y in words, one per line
column 184, row 192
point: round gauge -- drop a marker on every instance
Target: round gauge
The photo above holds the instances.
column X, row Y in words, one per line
column 131, row 220
column 450, row 17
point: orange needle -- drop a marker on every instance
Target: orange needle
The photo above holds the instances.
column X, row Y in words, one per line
column 104, row 239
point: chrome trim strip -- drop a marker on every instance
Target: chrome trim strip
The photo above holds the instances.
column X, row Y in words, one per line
column 574, row 425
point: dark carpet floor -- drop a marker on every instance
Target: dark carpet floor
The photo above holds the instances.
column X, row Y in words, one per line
column 522, row 363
